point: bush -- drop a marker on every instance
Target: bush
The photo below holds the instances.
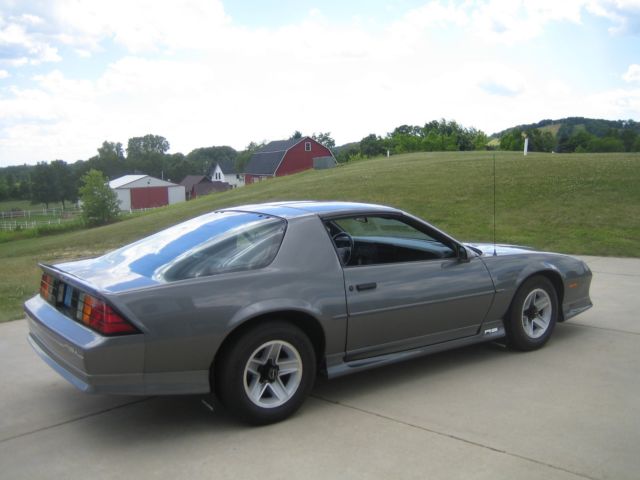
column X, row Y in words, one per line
column 99, row 202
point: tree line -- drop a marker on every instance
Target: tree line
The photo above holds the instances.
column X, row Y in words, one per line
column 575, row 135
column 59, row 181
column 435, row 136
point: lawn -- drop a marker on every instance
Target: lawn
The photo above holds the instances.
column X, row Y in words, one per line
column 577, row 203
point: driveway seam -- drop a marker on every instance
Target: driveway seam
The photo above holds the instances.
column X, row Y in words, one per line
column 617, row 273
column 73, row 420
column 569, row 323
column 454, row 437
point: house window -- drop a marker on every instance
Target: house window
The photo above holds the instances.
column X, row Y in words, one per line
column 307, row 146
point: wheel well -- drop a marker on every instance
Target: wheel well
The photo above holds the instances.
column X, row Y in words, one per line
column 305, row 322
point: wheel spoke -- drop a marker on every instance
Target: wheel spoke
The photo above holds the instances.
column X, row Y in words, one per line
column 274, row 352
column 528, row 326
column 541, row 303
column 540, row 322
column 279, row 390
column 530, row 301
column 253, row 366
column 256, row 389
column 288, row 366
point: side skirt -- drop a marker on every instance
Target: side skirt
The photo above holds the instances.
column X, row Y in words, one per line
column 337, row 367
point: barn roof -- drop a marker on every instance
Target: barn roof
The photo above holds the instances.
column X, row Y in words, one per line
column 124, row 180
column 190, row 180
column 266, row 160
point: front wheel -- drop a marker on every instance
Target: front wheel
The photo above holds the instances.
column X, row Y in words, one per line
column 533, row 314
column 265, row 374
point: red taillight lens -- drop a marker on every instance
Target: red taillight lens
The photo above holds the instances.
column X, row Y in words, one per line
column 99, row 316
column 46, row 287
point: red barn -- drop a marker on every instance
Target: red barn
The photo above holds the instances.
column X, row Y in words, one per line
column 136, row 192
column 284, row 157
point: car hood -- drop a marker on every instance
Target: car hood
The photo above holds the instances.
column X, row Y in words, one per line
column 488, row 249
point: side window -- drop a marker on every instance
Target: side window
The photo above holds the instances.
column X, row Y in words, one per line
column 307, row 146
column 374, row 240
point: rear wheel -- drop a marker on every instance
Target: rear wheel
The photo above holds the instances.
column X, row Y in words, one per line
column 533, row 314
column 264, row 375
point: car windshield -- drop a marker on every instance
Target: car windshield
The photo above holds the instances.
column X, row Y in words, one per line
column 214, row 243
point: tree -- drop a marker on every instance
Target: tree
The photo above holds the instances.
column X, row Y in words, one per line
column 296, row 135
column 110, row 160
column 4, row 189
column 62, row 177
column 325, row 139
column 202, row 160
column 43, row 189
column 512, row 140
column 372, row 145
column 138, row 146
column 147, row 154
column 99, row 202
column 244, row 156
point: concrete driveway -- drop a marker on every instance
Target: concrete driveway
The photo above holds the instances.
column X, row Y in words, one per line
column 570, row 410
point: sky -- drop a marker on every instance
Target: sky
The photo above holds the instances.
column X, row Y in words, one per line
column 74, row 73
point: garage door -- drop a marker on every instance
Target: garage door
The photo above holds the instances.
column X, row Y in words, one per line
column 149, row 197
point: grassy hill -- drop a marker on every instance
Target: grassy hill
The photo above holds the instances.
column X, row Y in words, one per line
column 583, row 204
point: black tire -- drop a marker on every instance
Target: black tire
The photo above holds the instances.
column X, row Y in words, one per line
column 272, row 394
column 533, row 314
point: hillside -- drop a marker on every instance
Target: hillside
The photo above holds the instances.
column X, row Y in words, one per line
column 596, row 126
column 583, row 204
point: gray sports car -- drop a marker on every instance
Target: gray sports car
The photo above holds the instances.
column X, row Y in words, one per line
column 252, row 302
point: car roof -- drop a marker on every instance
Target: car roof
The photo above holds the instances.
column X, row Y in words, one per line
column 299, row 208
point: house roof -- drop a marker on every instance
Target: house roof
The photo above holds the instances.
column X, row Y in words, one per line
column 190, row 180
column 227, row 166
column 124, row 180
column 266, row 160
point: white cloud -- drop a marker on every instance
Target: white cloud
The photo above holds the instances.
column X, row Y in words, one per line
column 142, row 25
column 21, row 47
column 632, row 74
column 4, row 74
column 624, row 14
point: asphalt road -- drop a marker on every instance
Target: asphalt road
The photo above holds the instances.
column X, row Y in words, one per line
column 568, row 411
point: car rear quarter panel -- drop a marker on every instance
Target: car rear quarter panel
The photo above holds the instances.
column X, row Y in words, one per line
column 185, row 322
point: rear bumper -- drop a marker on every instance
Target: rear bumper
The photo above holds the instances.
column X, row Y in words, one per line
column 90, row 362
column 97, row 364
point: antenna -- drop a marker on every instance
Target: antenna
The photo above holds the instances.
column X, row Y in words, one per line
column 494, row 205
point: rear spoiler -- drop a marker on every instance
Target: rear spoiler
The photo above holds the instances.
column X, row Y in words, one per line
column 71, row 279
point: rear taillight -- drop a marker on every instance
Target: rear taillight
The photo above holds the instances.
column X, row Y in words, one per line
column 99, row 316
column 46, row 287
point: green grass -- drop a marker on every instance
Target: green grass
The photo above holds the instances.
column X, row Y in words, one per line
column 578, row 203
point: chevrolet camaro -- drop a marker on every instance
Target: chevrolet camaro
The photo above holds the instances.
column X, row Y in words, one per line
column 252, row 302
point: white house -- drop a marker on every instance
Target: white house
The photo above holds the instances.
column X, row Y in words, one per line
column 143, row 191
column 225, row 171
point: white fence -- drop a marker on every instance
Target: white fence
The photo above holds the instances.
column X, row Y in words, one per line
column 10, row 226
column 24, row 219
column 51, row 212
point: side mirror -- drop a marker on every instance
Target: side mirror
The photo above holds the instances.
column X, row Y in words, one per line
column 463, row 255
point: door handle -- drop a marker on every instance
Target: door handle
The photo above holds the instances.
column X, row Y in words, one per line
column 366, row 286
